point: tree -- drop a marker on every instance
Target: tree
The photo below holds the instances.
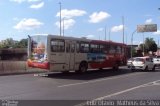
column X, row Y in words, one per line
column 23, row 43
column 149, row 45
column 10, row 43
column 133, row 52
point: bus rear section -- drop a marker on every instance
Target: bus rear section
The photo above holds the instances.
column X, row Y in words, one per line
column 37, row 52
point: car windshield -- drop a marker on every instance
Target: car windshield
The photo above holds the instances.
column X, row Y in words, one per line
column 138, row 59
column 131, row 59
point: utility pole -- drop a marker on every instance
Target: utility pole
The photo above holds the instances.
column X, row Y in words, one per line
column 143, row 43
column 105, row 32
column 123, row 27
column 132, row 43
column 60, row 18
column 63, row 25
column 158, row 47
column 126, row 39
column 109, row 35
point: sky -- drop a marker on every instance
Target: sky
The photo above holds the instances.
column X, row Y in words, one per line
column 80, row 18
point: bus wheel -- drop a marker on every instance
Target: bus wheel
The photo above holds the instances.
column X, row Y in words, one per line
column 83, row 67
column 100, row 69
column 115, row 67
column 65, row 72
column 146, row 68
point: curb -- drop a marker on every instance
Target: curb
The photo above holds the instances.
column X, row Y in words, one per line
column 8, row 73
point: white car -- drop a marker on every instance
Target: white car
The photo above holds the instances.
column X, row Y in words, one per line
column 156, row 60
column 129, row 62
column 143, row 63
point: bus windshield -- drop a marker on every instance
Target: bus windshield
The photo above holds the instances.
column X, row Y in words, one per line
column 38, row 48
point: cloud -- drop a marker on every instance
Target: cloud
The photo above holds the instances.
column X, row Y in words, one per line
column 148, row 21
column 117, row 28
column 37, row 6
column 65, row 13
column 100, row 29
column 68, row 23
column 90, row 36
column 20, row 1
column 15, row 19
column 34, row 0
column 28, row 24
column 98, row 17
column 157, row 33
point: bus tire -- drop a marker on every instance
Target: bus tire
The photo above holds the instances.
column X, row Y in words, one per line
column 133, row 70
column 100, row 69
column 146, row 68
column 116, row 67
column 83, row 67
column 65, row 72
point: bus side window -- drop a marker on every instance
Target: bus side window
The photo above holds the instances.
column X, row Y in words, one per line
column 67, row 47
column 57, row 45
column 94, row 48
column 84, row 47
column 112, row 49
column 72, row 48
column 102, row 49
column 118, row 49
column 77, row 47
column 107, row 48
column 123, row 51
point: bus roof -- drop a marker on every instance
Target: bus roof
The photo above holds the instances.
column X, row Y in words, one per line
column 109, row 42
column 80, row 39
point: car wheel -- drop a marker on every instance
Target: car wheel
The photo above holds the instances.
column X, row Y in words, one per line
column 146, row 68
column 133, row 70
column 153, row 69
column 115, row 67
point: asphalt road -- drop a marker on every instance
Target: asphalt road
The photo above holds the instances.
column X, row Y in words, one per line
column 92, row 85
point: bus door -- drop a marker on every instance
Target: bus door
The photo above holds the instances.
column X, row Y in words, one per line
column 70, row 55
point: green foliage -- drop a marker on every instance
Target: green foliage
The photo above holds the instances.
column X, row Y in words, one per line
column 10, row 43
column 23, row 43
column 134, row 52
column 149, row 45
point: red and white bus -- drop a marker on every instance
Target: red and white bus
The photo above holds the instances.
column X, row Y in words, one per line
column 58, row 53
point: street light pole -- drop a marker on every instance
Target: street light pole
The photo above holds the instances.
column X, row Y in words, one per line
column 143, row 43
column 60, row 18
column 105, row 32
column 123, row 27
column 132, row 43
column 63, row 25
column 109, row 35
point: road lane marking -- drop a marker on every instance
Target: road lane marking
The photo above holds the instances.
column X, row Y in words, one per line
column 153, row 83
column 104, row 79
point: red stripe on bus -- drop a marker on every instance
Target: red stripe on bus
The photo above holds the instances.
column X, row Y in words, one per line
column 44, row 65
